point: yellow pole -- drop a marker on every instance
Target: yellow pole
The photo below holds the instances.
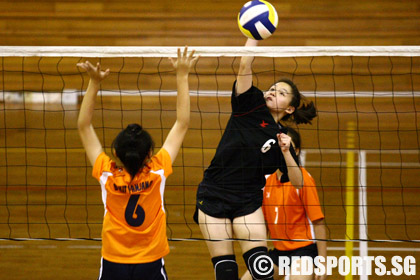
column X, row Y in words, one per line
column 350, row 193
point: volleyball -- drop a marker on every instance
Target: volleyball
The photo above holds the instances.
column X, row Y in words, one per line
column 257, row 19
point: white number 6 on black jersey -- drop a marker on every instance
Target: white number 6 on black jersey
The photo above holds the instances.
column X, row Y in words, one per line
column 267, row 145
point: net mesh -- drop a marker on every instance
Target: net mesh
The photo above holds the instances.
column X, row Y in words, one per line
column 368, row 102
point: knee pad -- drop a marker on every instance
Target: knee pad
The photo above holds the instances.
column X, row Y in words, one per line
column 225, row 267
column 259, row 263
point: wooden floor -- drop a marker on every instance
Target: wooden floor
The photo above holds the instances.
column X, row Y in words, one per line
column 187, row 260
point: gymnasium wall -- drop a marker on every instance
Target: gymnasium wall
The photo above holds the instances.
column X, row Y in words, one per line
column 205, row 23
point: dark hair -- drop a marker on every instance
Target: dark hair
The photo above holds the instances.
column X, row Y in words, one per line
column 295, row 137
column 305, row 110
column 296, row 141
column 132, row 145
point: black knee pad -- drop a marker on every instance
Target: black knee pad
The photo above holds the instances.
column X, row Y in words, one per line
column 259, row 263
column 225, row 267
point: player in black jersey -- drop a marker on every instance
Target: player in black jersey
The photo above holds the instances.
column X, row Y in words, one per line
column 254, row 143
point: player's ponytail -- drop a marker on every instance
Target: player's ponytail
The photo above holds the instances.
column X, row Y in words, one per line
column 132, row 146
column 305, row 110
column 132, row 162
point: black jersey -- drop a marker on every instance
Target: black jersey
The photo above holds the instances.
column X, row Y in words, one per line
column 249, row 148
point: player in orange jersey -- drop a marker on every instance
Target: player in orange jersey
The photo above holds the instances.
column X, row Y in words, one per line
column 134, row 239
column 292, row 213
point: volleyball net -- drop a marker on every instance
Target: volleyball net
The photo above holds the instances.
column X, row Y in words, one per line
column 362, row 149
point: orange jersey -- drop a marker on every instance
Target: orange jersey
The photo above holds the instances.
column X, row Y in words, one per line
column 289, row 212
column 134, row 226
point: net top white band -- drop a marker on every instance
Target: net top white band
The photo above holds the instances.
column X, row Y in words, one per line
column 78, row 51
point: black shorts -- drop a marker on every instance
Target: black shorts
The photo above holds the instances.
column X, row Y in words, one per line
column 225, row 203
column 141, row 271
column 307, row 251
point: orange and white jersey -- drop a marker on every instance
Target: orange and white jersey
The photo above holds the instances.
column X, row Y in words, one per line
column 134, row 226
column 289, row 212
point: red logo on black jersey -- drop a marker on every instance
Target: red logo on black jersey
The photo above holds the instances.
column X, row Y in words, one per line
column 263, row 124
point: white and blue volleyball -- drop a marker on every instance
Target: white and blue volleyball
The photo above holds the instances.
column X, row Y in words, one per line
column 258, row 19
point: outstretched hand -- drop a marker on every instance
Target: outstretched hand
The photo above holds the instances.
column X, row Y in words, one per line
column 184, row 62
column 95, row 72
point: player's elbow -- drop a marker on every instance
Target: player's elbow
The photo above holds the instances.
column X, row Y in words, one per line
column 82, row 124
column 183, row 119
column 183, row 124
column 245, row 68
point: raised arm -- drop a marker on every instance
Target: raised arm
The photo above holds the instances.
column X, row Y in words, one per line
column 293, row 170
column 176, row 135
column 87, row 133
column 244, row 79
